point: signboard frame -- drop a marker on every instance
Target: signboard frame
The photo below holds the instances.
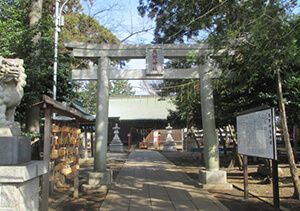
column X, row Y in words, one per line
column 256, row 116
column 276, row 198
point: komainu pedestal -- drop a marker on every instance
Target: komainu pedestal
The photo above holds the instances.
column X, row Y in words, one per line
column 19, row 186
column 14, row 150
column 19, row 176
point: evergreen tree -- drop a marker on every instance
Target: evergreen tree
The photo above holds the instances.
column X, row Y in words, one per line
column 259, row 41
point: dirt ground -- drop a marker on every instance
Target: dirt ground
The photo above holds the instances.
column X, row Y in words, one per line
column 89, row 200
column 189, row 163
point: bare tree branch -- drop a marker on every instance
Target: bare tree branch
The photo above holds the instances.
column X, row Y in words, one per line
column 109, row 8
column 136, row 32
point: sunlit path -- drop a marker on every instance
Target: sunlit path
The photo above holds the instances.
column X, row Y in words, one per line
column 148, row 181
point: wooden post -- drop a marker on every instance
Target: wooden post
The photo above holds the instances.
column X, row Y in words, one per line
column 76, row 173
column 129, row 140
column 245, row 170
column 85, row 143
column 92, row 143
column 275, row 184
column 47, row 143
column 76, row 184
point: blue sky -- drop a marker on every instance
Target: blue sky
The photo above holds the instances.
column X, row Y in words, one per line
column 121, row 17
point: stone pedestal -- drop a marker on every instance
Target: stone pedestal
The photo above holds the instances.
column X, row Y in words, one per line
column 169, row 146
column 98, row 179
column 116, row 144
column 19, row 186
column 189, row 143
column 116, row 147
column 214, row 180
column 14, row 150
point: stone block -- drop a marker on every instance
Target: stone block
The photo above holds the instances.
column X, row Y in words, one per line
column 212, row 177
column 100, row 178
column 90, row 188
column 30, row 187
column 214, row 180
column 22, row 172
column 224, row 186
column 14, row 150
column 20, row 196
column 169, row 146
column 19, row 186
column 9, row 196
column 30, row 203
column 116, row 147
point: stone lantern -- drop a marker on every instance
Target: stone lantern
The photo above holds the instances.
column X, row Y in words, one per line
column 116, row 144
column 169, row 145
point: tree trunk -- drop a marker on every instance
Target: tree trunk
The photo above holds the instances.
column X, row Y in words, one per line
column 295, row 141
column 35, row 15
column 235, row 156
column 33, row 120
column 193, row 132
column 223, row 140
column 286, row 138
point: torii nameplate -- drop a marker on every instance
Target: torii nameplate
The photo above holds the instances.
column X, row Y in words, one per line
column 154, row 61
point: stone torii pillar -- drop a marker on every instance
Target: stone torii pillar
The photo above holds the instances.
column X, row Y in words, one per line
column 212, row 177
column 101, row 176
column 102, row 114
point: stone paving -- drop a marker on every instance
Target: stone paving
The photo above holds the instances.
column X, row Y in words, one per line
column 148, row 181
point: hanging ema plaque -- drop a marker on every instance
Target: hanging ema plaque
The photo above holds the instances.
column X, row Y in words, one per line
column 256, row 134
column 154, row 61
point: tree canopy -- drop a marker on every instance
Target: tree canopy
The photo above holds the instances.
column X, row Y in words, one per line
column 264, row 36
column 16, row 40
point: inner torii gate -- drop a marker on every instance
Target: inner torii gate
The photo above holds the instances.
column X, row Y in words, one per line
column 154, row 55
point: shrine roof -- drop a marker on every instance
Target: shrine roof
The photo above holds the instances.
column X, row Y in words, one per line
column 140, row 107
column 66, row 112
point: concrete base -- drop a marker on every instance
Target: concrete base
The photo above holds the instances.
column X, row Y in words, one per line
column 225, row 186
column 97, row 179
column 19, row 186
column 169, row 146
column 214, row 180
column 89, row 188
column 116, row 147
column 14, row 150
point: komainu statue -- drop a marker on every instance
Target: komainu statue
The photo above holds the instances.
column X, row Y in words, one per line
column 12, row 81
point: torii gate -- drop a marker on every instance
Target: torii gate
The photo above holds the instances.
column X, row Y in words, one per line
column 154, row 55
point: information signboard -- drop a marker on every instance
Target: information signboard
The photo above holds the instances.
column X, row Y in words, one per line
column 256, row 134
